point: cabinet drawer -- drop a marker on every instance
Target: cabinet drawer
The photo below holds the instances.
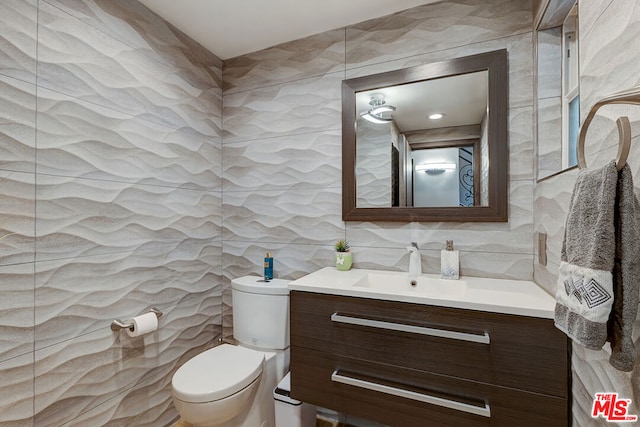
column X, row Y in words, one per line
column 403, row 397
column 507, row 350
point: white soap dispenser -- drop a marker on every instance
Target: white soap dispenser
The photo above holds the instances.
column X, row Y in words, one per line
column 449, row 262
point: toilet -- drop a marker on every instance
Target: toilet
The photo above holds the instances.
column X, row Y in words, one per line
column 232, row 385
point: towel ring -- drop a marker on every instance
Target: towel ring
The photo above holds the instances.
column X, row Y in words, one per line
column 631, row 96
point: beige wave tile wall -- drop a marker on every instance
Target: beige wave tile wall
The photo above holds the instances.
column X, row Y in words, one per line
column 111, row 202
column 286, row 198
column 609, row 46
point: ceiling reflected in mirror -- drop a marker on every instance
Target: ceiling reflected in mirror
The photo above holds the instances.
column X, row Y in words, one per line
column 460, row 100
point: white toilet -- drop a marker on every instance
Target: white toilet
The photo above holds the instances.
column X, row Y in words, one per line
column 232, row 386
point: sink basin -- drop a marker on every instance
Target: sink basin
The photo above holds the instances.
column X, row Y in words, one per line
column 506, row 296
column 402, row 283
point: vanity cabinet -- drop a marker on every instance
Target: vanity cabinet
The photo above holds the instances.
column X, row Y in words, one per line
column 406, row 364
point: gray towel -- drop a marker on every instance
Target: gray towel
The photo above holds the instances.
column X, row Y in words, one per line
column 626, row 275
column 597, row 292
column 584, row 295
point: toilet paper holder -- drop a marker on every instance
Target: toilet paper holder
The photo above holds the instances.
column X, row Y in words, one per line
column 118, row 325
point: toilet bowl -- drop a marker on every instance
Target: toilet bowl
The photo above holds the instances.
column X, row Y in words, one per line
column 231, row 386
column 215, row 386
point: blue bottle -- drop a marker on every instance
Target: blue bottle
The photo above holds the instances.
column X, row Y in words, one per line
column 268, row 267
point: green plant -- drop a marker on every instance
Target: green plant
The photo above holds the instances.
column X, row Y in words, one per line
column 342, row 246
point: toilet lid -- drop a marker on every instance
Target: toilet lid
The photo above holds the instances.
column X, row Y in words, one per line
column 217, row 373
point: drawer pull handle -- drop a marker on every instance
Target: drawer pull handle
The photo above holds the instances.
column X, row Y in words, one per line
column 408, row 394
column 442, row 333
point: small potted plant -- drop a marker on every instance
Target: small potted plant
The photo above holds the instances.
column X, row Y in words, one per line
column 343, row 257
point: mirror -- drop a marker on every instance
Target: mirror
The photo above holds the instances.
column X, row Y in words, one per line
column 404, row 162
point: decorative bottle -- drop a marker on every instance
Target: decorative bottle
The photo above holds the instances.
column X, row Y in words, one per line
column 449, row 262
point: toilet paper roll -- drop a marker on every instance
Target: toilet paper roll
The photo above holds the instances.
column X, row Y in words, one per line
column 143, row 324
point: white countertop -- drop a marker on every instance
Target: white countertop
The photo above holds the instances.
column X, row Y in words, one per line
column 519, row 297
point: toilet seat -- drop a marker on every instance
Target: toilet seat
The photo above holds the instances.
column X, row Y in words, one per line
column 217, row 373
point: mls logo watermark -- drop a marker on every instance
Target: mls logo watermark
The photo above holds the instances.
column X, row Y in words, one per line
column 612, row 408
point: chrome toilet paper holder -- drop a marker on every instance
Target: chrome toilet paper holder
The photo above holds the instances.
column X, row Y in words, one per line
column 118, row 325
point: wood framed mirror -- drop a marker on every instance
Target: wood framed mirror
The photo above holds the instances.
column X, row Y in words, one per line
column 398, row 164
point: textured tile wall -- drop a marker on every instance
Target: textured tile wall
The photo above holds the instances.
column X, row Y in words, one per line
column 549, row 101
column 111, row 201
column 281, row 145
column 609, row 46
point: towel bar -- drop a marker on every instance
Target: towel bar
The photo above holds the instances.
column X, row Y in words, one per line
column 630, row 96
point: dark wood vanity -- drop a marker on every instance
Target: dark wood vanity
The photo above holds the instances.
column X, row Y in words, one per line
column 405, row 364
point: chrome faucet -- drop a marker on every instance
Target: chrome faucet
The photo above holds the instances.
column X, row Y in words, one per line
column 415, row 262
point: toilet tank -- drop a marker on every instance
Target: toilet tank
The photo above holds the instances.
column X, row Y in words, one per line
column 261, row 312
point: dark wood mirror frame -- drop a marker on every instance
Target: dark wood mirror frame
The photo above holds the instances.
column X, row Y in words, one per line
column 495, row 63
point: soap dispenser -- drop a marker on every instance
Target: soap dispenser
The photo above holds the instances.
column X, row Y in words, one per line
column 449, row 262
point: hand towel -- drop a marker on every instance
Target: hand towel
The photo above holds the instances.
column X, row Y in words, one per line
column 599, row 282
column 584, row 295
column 626, row 274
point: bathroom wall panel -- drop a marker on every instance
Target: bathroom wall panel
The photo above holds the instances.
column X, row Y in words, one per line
column 17, row 204
column 549, row 47
column 81, row 295
column 124, row 409
column 80, row 61
column 549, row 136
column 506, row 265
column 609, row 51
column 18, row 39
column 104, row 368
column 519, row 57
column 17, row 125
column 306, row 161
column 520, row 128
column 310, row 56
column 589, row 16
column 134, row 25
column 298, row 107
column 435, row 27
column 310, row 216
column 130, row 117
column 510, row 239
column 492, row 240
column 257, row 114
column 16, row 392
column 84, row 140
column 79, row 217
column 16, row 311
column 76, row 375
